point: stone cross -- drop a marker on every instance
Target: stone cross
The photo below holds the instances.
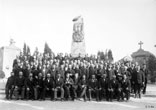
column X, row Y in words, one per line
column 140, row 43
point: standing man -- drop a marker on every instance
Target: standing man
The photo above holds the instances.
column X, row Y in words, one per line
column 138, row 81
column 145, row 73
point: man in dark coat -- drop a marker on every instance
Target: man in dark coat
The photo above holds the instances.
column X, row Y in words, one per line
column 126, row 87
column 145, row 73
column 29, row 85
column 68, row 85
column 83, row 84
column 19, row 86
column 59, row 86
column 139, row 80
column 103, row 86
column 10, row 86
column 116, row 85
column 93, row 87
column 100, row 72
column 49, row 87
column 39, row 87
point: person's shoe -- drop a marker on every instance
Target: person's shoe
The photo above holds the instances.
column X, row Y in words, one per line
column 135, row 96
column 62, row 99
column 140, row 96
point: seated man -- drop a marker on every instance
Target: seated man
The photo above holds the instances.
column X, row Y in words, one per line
column 49, row 87
column 39, row 87
column 116, row 89
column 93, row 87
column 10, row 86
column 103, row 83
column 59, row 86
column 75, row 88
column 83, row 87
column 68, row 85
column 126, row 86
column 29, row 85
column 19, row 86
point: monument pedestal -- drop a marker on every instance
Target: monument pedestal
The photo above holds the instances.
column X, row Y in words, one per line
column 78, row 49
column 7, row 56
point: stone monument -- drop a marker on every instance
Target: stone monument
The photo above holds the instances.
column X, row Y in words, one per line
column 78, row 42
column 7, row 55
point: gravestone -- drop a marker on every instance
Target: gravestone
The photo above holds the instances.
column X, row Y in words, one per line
column 78, row 43
column 7, row 56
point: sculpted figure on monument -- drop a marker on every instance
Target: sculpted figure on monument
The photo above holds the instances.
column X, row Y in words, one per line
column 78, row 34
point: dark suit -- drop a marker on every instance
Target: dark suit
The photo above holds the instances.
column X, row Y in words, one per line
column 29, row 85
column 126, row 86
column 139, row 79
column 10, row 87
column 103, row 86
column 83, row 88
column 93, row 87
column 68, row 87
column 49, row 88
column 145, row 84
column 59, row 86
column 20, row 87
column 91, row 71
column 39, row 85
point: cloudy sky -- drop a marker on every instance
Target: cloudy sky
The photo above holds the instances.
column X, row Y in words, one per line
column 108, row 24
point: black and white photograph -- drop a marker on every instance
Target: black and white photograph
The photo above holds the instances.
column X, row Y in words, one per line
column 77, row 54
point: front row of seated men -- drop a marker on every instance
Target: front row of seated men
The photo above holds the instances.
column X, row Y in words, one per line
column 70, row 88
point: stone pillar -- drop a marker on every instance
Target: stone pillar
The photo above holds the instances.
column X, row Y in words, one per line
column 78, row 43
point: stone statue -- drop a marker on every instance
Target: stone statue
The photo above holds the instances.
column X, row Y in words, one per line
column 78, row 42
column 12, row 42
column 78, row 33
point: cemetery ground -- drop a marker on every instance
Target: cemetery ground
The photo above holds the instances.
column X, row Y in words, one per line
column 147, row 101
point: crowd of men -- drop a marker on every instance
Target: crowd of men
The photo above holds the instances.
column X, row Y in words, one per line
column 39, row 77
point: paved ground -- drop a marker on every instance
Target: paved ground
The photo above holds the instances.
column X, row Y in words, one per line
column 148, row 101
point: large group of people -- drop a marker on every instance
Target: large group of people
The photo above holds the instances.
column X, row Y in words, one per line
column 45, row 76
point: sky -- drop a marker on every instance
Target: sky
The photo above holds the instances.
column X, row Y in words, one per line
column 118, row 25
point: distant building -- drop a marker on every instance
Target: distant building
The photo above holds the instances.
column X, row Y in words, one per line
column 7, row 55
column 127, row 58
column 141, row 56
